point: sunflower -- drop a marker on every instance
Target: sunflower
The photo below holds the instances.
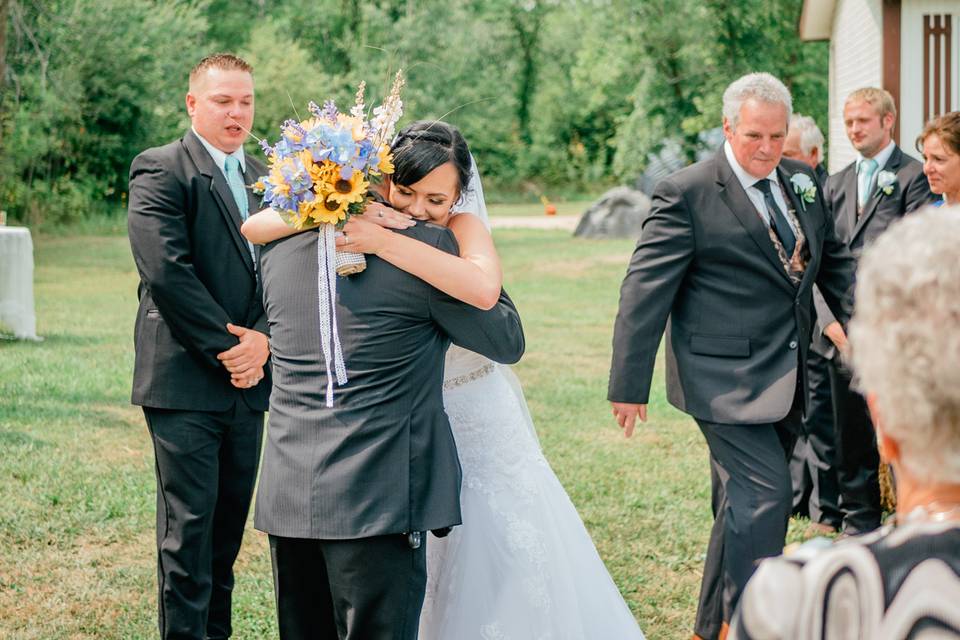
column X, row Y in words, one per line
column 386, row 160
column 325, row 173
column 352, row 190
column 327, row 210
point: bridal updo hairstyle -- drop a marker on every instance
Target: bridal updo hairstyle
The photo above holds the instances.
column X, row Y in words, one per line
column 425, row 145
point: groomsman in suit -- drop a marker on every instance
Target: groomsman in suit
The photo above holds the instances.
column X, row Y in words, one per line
column 730, row 253
column 815, row 491
column 880, row 186
column 201, row 345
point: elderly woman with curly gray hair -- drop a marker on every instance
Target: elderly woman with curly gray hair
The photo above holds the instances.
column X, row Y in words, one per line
column 903, row 580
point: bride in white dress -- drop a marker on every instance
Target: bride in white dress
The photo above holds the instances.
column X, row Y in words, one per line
column 522, row 566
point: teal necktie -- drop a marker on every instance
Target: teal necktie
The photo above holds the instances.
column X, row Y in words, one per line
column 235, row 180
column 239, row 191
column 868, row 167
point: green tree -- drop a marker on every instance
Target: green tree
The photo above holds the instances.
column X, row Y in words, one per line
column 79, row 113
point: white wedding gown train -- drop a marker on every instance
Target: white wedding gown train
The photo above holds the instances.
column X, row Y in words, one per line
column 522, row 566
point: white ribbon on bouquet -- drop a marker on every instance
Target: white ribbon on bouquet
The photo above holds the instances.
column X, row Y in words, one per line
column 327, row 290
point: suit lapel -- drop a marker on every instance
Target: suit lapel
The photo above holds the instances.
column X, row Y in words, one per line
column 870, row 207
column 251, row 175
column 736, row 199
column 220, row 192
column 848, row 214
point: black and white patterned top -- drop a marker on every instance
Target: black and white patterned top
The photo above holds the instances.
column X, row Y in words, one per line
column 896, row 583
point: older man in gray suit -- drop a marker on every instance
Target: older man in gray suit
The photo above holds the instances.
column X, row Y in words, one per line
column 348, row 493
column 730, row 252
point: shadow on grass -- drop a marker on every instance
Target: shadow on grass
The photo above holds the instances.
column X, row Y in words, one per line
column 9, row 438
column 65, row 410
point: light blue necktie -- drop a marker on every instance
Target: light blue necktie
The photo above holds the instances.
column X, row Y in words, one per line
column 868, row 166
column 239, row 191
column 235, row 180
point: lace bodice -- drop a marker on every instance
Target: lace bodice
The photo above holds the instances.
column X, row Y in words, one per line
column 461, row 362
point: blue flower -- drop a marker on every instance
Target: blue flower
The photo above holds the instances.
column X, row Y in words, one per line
column 330, row 111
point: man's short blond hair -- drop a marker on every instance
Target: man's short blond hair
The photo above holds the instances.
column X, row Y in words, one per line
column 879, row 99
column 223, row 61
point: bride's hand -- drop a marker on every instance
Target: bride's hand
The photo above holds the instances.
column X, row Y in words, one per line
column 362, row 236
column 386, row 217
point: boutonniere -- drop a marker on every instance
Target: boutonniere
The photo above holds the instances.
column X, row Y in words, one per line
column 886, row 181
column 804, row 187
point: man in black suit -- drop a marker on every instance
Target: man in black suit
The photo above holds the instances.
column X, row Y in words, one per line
column 812, row 467
column 348, row 492
column 730, row 253
column 879, row 187
column 201, row 345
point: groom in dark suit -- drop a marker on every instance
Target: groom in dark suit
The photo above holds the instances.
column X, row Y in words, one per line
column 201, row 345
column 881, row 186
column 348, row 493
column 730, row 253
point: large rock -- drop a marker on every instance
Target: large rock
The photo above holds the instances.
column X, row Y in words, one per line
column 619, row 213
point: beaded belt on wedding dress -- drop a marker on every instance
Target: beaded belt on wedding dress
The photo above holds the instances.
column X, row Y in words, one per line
column 459, row 381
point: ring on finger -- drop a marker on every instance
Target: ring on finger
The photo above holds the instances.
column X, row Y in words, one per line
column 346, row 238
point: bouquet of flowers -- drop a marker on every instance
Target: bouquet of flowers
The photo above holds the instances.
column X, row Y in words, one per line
column 320, row 170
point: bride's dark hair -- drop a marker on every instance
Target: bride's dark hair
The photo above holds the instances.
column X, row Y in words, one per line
column 425, row 145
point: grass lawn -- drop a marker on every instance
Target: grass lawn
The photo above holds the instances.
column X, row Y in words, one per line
column 76, row 467
column 569, row 208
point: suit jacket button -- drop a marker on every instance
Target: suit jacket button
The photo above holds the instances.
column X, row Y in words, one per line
column 793, row 344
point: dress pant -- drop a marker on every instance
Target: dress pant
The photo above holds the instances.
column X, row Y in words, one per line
column 751, row 499
column 362, row 589
column 816, row 492
column 206, row 465
column 858, row 459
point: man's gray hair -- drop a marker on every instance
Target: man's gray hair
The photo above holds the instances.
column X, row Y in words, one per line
column 810, row 136
column 759, row 86
column 905, row 339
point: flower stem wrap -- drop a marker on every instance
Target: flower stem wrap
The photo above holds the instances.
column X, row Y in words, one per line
column 327, row 290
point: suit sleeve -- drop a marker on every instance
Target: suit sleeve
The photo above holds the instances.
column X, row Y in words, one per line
column 161, row 246
column 916, row 192
column 496, row 333
column 835, row 279
column 657, row 269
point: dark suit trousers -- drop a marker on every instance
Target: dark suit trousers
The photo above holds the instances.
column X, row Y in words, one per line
column 812, row 468
column 858, row 459
column 362, row 589
column 751, row 496
column 206, row 464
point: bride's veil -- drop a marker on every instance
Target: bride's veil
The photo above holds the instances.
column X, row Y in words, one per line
column 473, row 203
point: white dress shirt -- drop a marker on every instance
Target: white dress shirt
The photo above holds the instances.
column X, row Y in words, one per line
column 755, row 195
column 220, row 157
column 882, row 158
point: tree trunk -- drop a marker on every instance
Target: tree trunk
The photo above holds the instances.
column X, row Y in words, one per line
column 528, row 37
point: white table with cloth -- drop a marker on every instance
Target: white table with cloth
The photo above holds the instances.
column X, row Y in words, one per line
column 16, row 282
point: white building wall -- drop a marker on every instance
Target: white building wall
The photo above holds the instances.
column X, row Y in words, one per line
column 856, row 61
